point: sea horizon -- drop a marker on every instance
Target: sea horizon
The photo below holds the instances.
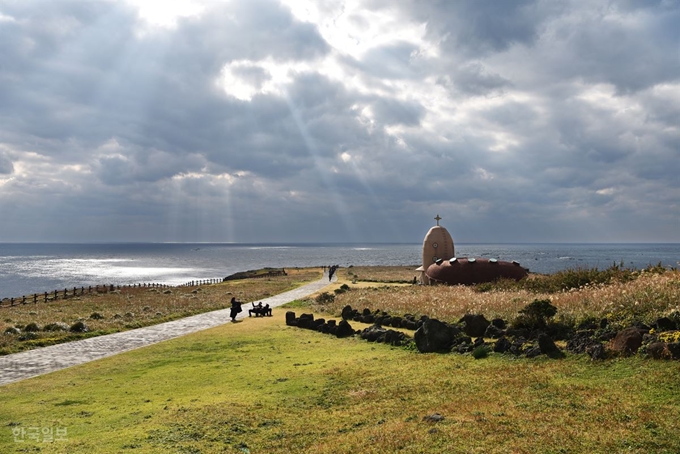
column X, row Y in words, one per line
column 37, row 267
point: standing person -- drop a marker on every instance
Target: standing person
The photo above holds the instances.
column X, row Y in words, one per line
column 235, row 309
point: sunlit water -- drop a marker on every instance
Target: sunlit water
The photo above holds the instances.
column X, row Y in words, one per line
column 36, row 268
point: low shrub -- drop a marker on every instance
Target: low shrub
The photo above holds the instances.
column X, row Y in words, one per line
column 58, row 326
column 32, row 327
column 325, row 298
column 28, row 335
column 535, row 315
column 79, row 327
column 480, row 352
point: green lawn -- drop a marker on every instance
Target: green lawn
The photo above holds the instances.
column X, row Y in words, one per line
column 259, row 386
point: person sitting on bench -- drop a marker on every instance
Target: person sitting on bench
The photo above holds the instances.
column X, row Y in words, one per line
column 260, row 310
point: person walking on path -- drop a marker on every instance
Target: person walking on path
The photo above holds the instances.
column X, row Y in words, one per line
column 235, row 309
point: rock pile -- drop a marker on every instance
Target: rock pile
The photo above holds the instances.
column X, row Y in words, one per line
column 473, row 332
column 307, row 321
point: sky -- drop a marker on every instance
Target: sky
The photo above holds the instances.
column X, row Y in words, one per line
column 339, row 121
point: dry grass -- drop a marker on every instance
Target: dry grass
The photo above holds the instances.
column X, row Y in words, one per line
column 130, row 308
column 395, row 274
column 646, row 296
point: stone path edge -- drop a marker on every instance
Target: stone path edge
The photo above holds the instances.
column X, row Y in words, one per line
column 40, row 361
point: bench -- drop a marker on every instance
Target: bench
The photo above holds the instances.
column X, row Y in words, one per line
column 260, row 311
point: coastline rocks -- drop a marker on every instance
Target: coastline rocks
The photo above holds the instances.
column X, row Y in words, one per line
column 373, row 333
column 305, row 321
column 674, row 349
column 377, row 333
column 494, row 332
column 548, row 347
column 502, row 345
column 664, row 324
column 597, row 352
column 533, row 352
column 348, row 313
column 435, row 336
column 580, row 341
column 382, row 318
column 658, row 350
column 627, row 341
column 499, row 323
column 344, row 329
column 475, row 324
column 290, row 318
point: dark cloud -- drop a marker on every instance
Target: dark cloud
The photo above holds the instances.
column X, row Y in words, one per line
column 474, row 79
column 393, row 112
column 476, row 27
column 517, row 121
column 631, row 51
column 6, row 166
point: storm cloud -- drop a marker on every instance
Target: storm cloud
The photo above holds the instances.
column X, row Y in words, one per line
column 283, row 121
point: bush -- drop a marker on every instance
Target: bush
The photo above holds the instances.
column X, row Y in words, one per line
column 577, row 278
column 325, row 298
column 32, row 327
column 535, row 314
column 59, row 326
column 96, row 316
column 12, row 330
column 480, row 352
column 79, row 327
column 28, row 335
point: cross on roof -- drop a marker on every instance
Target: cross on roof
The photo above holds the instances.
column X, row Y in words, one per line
column 437, row 219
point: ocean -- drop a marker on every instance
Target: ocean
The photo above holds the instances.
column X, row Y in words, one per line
column 27, row 268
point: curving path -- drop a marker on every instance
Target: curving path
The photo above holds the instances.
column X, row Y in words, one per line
column 32, row 363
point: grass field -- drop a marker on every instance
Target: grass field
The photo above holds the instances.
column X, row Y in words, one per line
column 260, row 386
column 131, row 308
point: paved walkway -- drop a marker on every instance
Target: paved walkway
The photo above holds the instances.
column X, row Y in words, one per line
column 32, row 363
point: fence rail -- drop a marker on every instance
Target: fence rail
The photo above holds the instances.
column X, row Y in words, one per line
column 67, row 293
